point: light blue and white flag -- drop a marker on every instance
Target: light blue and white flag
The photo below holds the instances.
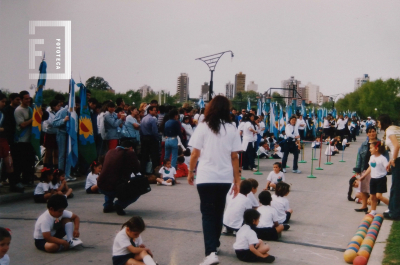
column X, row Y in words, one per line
column 259, row 107
column 72, row 128
column 201, row 103
column 248, row 104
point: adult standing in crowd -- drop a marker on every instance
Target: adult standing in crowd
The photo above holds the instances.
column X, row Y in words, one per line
column 249, row 133
column 132, row 128
column 218, row 143
column 172, row 130
column 301, row 125
column 9, row 132
column 119, row 163
column 149, row 139
column 362, row 165
column 327, row 127
column 23, row 154
column 50, row 137
column 290, row 146
column 112, row 121
column 391, row 138
column 60, row 122
column 341, row 125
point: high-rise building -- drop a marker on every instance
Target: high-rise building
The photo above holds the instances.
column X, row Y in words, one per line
column 182, row 88
column 291, row 94
column 205, row 88
column 252, row 87
column 240, row 81
column 145, row 90
column 312, row 93
column 230, row 90
column 358, row 82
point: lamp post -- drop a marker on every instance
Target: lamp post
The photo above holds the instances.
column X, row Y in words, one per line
column 211, row 61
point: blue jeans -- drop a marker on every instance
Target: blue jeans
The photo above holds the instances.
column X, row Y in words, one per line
column 109, row 197
column 171, row 146
column 63, row 163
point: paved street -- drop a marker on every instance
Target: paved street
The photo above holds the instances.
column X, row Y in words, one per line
column 322, row 224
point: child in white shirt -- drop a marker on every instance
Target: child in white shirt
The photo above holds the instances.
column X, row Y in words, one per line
column 247, row 246
column 128, row 247
column 5, row 240
column 275, row 176
column 59, row 184
column 168, row 173
column 263, row 150
column 233, row 215
column 268, row 228
column 316, row 143
column 250, row 196
column 277, row 152
column 42, row 191
column 91, row 179
column 377, row 168
column 54, row 224
column 280, row 203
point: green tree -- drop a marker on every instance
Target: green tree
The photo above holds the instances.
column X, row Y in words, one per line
column 97, row 83
column 276, row 97
column 328, row 105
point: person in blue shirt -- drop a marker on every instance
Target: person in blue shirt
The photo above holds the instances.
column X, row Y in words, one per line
column 149, row 139
column 172, row 130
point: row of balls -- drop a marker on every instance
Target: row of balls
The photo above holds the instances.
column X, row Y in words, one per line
column 369, row 240
column 357, row 243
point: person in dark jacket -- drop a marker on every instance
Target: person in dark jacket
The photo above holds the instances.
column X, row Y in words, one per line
column 119, row 163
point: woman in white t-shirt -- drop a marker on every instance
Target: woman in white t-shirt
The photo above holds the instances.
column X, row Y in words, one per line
column 128, row 247
column 341, row 125
column 218, row 143
column 391, row 138
column 248, row 144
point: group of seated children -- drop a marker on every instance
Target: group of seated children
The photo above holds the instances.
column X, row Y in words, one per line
column 168, row 173
column 264, row 151
column 57, row 229
column 51, row 182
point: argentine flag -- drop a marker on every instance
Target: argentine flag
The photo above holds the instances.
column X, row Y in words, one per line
column 72, row 128
column 248, row 104
column 201, row 103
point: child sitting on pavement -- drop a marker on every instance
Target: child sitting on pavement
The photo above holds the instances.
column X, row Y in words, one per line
column 280, row 203
column 263, row 150
column 275, row 176
column 5, row 240
column 54, row 224
column 277, row 152
column 233, row 215
column 248, row 247
column 168, row 173
column 182, row 170
column 91, row 180
column 59, row 184
column 42, row 191
column 128, row 247
column 252, row 198
column 268, row 228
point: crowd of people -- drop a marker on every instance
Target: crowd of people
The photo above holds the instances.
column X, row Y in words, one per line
column 215, row 144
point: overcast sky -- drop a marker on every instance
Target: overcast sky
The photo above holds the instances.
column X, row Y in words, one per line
column 132, row 43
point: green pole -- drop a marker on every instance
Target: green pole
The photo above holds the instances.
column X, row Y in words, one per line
column 312, row 165
column 302, row 154
column 258, row 166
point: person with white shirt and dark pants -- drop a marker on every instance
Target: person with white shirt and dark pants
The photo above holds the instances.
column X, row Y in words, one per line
column 301, row 125
column 218, row 142
column 341, row 125
column 292, row 134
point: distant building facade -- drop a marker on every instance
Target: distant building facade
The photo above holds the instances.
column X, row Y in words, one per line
column 292, row 83
column 252, row 86
column 312, row 93
column 240, row 81
column 204, row 90
column 182, row 88
column 230, row 90
column 358, row 82
column 145, row 90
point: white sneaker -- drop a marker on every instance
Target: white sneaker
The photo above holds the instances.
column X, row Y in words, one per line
column 296, row 171
column 75, row 242
column 68, row 179
column 284, row 170
column 211, row 259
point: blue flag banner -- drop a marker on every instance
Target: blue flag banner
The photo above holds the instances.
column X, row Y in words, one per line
column 37, row 116
column 72, row 128
column 248, row 104
column 201, row 103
